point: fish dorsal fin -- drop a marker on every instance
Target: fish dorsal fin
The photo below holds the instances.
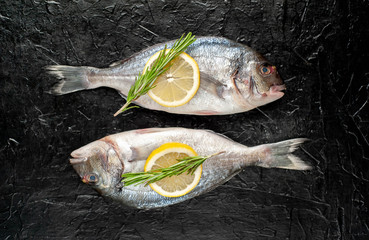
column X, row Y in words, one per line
column 121, row 61
column 115, row 63
column 152, row 130
column 219, row 134
column 158, row 130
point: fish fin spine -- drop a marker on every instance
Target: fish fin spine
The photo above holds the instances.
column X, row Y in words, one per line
column 279, row 155
column 72, row 78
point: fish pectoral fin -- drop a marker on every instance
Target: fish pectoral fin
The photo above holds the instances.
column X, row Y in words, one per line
column 210, row 84
column 128, row 152
column 125, row 151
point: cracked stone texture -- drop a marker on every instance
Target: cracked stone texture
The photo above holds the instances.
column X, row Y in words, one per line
column 320, row 48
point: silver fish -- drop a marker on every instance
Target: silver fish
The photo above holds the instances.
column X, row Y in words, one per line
column 234, row 78
column 102, row 162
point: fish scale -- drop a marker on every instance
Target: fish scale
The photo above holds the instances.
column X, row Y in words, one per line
column 231, row 78
column 126, row 152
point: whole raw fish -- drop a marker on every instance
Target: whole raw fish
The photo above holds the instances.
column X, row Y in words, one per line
column 102, row 162
column 234, row 78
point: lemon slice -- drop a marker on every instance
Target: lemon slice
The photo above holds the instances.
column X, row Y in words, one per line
column 178, row 84
column 165, row 156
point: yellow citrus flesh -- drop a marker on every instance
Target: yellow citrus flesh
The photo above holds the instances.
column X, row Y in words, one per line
column 178, row 84
column 165, row 156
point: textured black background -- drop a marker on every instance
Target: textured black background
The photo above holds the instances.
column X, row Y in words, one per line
column 321, row 50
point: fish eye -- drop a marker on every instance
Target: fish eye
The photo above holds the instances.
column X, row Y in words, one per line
column 90, row 178
column 265, row 70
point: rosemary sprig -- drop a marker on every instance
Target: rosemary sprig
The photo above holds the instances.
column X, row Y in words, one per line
column 188, row 164
column 144, row 82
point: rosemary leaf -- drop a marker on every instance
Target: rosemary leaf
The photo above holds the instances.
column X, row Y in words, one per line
column 188, row 164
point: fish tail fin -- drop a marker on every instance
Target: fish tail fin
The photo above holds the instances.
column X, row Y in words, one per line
column 72, row 79
column 279, row 155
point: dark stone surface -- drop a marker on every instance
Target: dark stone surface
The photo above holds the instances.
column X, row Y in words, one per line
column 320, row 48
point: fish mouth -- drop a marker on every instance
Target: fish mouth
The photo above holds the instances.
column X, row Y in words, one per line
column 273, row 88
column 77, row 157
column 75, row 161
column 276, row 90
column 78, row 163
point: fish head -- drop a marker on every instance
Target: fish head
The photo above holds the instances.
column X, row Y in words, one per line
column 262, row 82
column 98, row 165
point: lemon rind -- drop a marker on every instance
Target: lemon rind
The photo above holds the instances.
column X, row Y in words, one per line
column 167, row 148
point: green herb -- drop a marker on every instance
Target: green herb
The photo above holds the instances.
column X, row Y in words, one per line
column 144, row 82
column 188, row 164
